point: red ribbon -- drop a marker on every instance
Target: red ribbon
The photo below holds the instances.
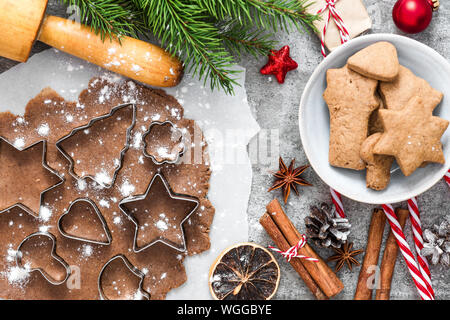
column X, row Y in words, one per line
column 292, row 252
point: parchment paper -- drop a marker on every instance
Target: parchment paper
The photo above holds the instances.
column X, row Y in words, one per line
column 226, row 121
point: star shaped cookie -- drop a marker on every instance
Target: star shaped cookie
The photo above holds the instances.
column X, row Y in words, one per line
column 158, row 215
column 25, row 176
column 412, row 135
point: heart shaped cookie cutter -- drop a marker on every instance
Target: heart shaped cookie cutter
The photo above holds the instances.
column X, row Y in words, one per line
column 99, row 215
column 172, row 195
column 53, row 254
column 146, row 154
column 138, row 273
column 45, row 165
column 87, row 126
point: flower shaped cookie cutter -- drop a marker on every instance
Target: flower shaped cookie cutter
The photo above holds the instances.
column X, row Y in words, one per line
column 146, row 154
column 45, row 165
column 87, row 126
column 138, row 273
column 99, row 215
column 173, row 196
column 53, row 254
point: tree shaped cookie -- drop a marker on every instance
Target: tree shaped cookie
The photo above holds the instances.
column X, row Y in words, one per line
column 412, row 135
column 351, row 100
column 397, row 93
column 378, row 61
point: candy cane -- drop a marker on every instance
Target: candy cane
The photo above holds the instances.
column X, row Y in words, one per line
column 406, row 252
column 418, row 241
column 447, row 177
column 337, row 200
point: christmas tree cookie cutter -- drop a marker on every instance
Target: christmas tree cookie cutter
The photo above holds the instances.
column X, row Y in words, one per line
column 54, row 255
column 45, row 165
column 99, row 215
column 146, row 154
column 173, row 196
column 89, row 125
column 138, row 273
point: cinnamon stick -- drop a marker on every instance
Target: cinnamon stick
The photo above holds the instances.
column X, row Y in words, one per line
column 280, row 241
column 375, row 238
column 389, row 259
column 325, row 278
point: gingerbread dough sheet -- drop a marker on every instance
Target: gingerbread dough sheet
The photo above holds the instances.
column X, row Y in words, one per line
column 166, row 269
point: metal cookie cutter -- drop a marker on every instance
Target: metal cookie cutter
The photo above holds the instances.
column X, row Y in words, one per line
column 158, row 123
column 99, row 215
column 53, row 254
column 138, row 273
column 45, row 165
column 144, row 196
column 87, row 126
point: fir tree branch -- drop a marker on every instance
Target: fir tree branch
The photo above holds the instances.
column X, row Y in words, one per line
column 185, row 28
column 110, row 17
column 268, row 14
column 194, row 29
column 238, row 39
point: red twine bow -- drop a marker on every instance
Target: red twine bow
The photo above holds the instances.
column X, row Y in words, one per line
column 332, row 12
column 292, row 252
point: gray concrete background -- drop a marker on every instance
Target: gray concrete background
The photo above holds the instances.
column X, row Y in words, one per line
column 276, row 108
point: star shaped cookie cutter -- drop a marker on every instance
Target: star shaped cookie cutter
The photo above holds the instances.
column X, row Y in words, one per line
column 138, row 273
column 99, row 215
column 146, row 154
column 53, row 254
column 45, row 165
column 87, row 126
column 172, row 195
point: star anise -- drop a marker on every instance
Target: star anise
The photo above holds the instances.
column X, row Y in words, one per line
column 289, row 178
column 345, row 254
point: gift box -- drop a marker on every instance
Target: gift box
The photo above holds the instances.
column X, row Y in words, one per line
column 352, row 13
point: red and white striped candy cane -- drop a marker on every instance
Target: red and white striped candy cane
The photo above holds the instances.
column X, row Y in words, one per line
column 418, row 241
column 447, row 177
column 407, row 254
column 337, row 201
column 292, row 252
column 332, row 12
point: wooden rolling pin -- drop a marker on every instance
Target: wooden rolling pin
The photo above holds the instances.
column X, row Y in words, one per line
column 24, row 22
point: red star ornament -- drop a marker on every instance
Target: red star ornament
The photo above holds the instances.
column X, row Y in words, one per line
column 279, row 64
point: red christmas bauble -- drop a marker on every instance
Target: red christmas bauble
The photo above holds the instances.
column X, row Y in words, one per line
column 413, row 16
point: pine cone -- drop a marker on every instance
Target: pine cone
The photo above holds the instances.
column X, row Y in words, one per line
column 437, row 243
column 324, row 229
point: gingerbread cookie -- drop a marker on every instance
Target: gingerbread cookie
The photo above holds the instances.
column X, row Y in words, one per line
column 351, row 100
column 375, row 124
column 98, row 244
column 397, row 93
column 378, row 61
column 378, row 166
column 412, row 135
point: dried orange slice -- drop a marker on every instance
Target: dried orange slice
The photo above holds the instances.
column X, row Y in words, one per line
column 245, row 271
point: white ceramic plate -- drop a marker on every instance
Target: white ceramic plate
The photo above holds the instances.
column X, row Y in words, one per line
column 314, row 122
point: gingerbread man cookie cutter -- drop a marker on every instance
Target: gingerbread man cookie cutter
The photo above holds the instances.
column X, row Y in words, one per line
column 87, row 126
column 172, row 195
column 45, row 165
column 138, row 273
column 146, row 154
column 53, row 254
column 99, row 215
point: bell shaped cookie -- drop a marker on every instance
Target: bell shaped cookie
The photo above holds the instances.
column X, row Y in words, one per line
column 351, row 100
column 378, row 61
